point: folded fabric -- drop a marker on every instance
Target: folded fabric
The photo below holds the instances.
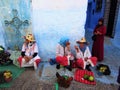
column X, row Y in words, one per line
column 79, row 76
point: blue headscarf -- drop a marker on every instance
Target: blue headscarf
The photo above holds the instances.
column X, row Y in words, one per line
column 63, row 41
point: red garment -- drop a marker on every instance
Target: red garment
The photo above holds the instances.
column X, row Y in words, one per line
column 98, row 44
column 93, row 60
column 62, row 60
column 37, row 61
column 20, row 61
column 80, row 62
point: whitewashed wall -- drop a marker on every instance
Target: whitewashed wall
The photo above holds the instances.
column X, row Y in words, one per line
column 53, row 19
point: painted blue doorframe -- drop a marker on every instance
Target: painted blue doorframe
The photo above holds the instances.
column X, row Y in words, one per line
column 95, row 11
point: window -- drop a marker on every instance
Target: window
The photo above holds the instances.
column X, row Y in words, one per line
column 98, row 5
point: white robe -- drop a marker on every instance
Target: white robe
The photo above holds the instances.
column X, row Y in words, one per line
column 60, row 51
column 87, row 53
column 29, row 51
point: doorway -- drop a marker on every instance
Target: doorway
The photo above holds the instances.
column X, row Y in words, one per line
column 111, row 19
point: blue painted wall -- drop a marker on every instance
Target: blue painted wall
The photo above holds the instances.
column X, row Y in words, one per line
column 1, row 36
column 92, row 15
column 15, row 18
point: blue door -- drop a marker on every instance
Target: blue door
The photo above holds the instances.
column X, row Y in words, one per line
column 88, row 19
column 95, row 11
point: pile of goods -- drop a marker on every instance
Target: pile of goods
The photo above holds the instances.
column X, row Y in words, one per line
column 63, row 81
column 5, row 76
column 84, row 76
column 103, row 69
column 4, row 57
column 88, row 77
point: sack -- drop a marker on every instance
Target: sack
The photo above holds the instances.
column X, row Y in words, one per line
column 104, row 69
column 94, row 37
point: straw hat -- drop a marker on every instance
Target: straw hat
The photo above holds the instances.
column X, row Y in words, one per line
column 29, row 37
column 82, row 40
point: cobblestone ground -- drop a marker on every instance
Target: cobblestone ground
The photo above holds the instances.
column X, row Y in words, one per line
column 30, row 80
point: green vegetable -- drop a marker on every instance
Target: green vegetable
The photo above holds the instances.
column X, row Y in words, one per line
column 86, row 76
column 91, row 78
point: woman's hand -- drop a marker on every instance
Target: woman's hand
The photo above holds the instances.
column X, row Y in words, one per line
column 76, row 48
column 86, row 58
column 30, row 57
column 68, row 47
column 26, row 58
column 95, row 33
column 99, row 33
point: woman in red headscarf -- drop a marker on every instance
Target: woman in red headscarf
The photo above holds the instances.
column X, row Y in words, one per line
column 98, row 43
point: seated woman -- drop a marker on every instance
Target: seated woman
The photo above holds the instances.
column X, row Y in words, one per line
column 83, row 55
column 29, row 54
column 64, row 56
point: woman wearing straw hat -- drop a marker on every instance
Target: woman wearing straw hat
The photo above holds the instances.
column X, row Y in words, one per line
column 83, row 55
column 29, row 55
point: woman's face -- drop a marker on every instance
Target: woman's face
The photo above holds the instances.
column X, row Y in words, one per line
column 27, row 41
column 67, row 43
column 82, row 45
column 100, row 23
